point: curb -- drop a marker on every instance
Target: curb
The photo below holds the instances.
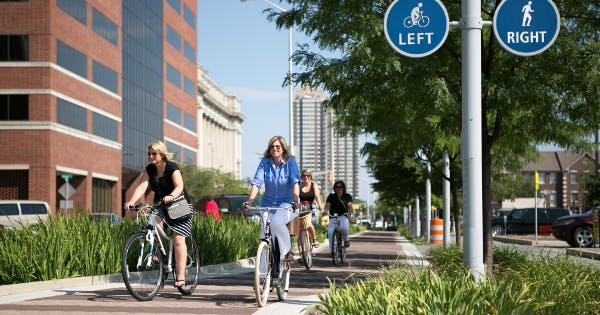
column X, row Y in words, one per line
column 58, row 284
column 591, row 253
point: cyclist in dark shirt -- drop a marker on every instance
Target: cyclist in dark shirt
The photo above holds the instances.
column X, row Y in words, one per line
column 339, row 202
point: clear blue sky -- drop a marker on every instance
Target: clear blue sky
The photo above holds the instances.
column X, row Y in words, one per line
column 247, row 56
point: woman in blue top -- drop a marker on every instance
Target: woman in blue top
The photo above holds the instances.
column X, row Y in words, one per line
column 278, row 172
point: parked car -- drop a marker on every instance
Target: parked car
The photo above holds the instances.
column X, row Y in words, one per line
column 522, row 221
column 22, row 213
column 575, row 229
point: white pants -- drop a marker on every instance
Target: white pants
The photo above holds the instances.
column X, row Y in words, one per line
column 344, row 226
column 279, row 219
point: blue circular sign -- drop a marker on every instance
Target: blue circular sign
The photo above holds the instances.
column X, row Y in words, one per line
column 526, row 27
column 416, row 28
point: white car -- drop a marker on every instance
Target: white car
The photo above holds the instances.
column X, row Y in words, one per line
column 22, row 213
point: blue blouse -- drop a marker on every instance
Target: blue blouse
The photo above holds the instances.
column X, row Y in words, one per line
column 278, row 180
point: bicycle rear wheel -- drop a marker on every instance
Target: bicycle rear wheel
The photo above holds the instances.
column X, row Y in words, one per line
column 341, row 255
column 141, row 267
column 262, row 273
column 192, row 266
column 305, row 247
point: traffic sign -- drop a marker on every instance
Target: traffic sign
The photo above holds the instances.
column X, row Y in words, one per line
column 66, row 190
column 526, row 27
column 416, row 28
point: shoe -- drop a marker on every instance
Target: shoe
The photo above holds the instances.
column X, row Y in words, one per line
column 316, row 244
column 181, row 283
column 289, row 257
column 347, row 244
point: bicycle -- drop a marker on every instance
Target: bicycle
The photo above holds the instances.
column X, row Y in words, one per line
column 145, row 263
column 304, row 241
column 338, row 250
column 269, row 270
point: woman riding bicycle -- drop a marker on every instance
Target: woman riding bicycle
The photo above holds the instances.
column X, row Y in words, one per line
column 338, row 203
column 164, row 179
column 278, row 172
column 309, row 193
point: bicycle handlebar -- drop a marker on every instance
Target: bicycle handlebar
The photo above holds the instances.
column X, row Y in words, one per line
column 152, row 206
column 338, row 215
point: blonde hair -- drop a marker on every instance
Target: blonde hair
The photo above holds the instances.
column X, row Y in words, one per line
column 306, row 171
column 284, row 149
column 160, row 148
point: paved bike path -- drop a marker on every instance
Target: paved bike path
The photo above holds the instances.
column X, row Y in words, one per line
column 369, row 251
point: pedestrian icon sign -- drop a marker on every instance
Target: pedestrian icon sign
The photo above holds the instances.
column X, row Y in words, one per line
column 526, row 27
column 416, row 28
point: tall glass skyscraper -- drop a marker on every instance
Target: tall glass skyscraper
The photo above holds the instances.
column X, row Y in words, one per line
column 319, row 148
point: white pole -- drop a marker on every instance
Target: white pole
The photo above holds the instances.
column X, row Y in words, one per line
column 471, row 25
column 446, row 197
column 417, row 218
column 428, row 205
column 291, row 94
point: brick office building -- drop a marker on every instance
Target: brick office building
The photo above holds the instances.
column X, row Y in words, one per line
column 84, row 87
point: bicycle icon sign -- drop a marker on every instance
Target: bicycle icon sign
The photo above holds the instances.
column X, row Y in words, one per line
column 416, row 18
column 416, row 28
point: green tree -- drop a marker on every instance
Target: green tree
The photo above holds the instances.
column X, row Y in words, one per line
column 202, row 182
column 548, row 98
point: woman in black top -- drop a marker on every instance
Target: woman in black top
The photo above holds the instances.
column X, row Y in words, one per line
column 164, row 178
column 309, row 193
column 339, row 202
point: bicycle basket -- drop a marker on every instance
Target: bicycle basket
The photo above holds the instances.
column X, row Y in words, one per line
column 305, row 218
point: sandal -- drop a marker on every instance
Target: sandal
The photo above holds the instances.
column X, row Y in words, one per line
column 178, row 281
column 289, row 257
column 316, row 244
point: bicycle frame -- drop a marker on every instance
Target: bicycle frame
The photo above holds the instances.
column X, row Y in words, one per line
column 156, row 232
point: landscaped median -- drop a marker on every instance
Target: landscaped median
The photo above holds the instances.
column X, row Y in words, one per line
column 519, row 284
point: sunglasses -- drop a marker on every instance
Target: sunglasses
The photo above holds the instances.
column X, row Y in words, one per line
column 338, row 186
column 152, row 153
column 306, row 175
column 275, row 146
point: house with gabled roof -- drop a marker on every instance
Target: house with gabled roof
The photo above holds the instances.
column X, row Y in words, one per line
column 562, row 177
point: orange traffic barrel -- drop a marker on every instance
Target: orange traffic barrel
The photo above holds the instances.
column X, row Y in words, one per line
column 437, row 231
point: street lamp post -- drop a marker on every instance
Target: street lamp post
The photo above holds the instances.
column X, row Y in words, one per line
column 290, row 91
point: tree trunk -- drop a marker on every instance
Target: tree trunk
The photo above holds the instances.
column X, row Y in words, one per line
column 456, row 211
column 486, row 204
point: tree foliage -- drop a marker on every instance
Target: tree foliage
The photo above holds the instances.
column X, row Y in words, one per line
column 412, row 103
column 202, row 182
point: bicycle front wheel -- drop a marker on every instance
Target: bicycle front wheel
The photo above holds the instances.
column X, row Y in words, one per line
column 341, row 250
column 335, row 247
column 141, row 267
column 192, row 267
column 262, row 273
column 305, row 247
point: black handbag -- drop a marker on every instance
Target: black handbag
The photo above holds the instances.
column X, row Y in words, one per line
column 178, row 210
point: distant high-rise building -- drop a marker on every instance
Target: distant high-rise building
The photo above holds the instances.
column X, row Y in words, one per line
column 319, row 148
column 85, row 86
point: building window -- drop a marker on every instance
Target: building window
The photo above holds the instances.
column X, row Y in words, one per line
column 104, row 76
column 104, row 127
column 553, row 202
column 190, row 156
column 553, row 177
column 189, row 16
column 71, row 115
column 173, row 38
column 173, row 113
column 189, row 52
column 101, row 195
column 189, row 87
column 105, row 27
column 542, row 178
column 173, row 76
column 14, row 48
column 75, row 8
column 175, row 4
column 175, row 149
column 189, row 122
column 573, row 177
column 71, row 59
column 14, row 107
